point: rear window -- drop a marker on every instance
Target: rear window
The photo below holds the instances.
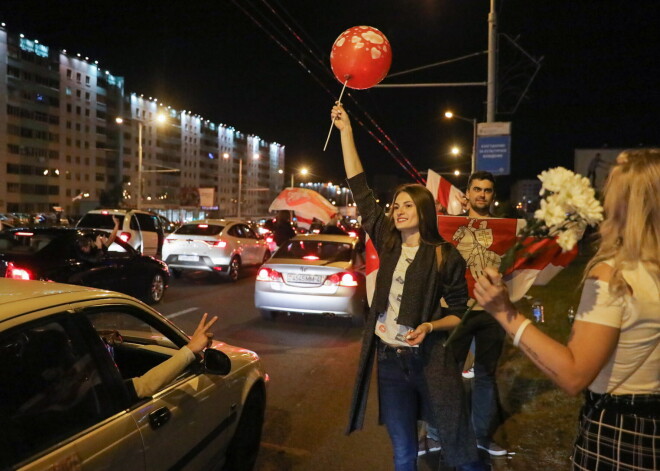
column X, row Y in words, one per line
column 200, row 229
column 24, row 242
column 315, row 250
column 100, row 221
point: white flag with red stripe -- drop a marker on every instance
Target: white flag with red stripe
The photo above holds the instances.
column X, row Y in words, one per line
column 482, row 242
column 446, row 194
column 304, row 222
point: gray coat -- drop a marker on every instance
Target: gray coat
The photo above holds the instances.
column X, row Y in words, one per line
column 424, row 287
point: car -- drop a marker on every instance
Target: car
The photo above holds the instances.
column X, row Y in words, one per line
column 52, row 253
column 67, row 354
column 142, row 230
column 220, row 246
column 317, row 274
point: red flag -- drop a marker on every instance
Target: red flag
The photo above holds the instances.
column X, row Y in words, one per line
column 372, row 265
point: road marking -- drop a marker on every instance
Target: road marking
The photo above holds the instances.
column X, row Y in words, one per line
column 180, row 313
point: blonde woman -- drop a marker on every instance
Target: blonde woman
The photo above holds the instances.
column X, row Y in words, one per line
column 613, row 352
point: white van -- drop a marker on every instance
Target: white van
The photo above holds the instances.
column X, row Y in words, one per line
column 141, row 229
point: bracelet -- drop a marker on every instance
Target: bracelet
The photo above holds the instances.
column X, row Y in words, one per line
column 519, row 332
column 430, row 325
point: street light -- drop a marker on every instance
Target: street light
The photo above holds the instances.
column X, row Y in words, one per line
column 160, row 118
column 473, row 163
column 303, row 171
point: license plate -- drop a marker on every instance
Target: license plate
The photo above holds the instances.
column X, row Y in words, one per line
column 304, row 278
column 188, row 258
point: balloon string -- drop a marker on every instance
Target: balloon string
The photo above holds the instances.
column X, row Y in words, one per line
column 333, row 119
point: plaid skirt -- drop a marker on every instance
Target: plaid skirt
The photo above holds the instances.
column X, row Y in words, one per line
column 618, row 433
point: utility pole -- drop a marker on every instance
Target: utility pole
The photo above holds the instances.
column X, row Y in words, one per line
column 492, row 64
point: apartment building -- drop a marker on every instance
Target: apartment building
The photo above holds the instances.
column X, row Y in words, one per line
column 62, row 144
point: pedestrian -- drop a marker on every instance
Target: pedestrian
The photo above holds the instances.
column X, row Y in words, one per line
column 282, row 230
column 406, row 327
column 480, row 328
column 613, row 351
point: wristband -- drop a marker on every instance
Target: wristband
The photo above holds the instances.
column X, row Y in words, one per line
column 430, row 325
column 519, row 332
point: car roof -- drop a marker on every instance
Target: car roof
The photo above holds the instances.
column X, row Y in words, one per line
column 326, row 238
column 218, row 222
column 55, row 230
column 19, row 296
column 119, row 211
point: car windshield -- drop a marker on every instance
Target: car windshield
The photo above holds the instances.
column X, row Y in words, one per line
column 200, row 229
column 24, row 242
column 100, row 221
column 315, row 250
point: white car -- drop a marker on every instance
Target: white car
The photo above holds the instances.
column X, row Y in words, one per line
column 220, row 246
column 67, row 355
column 141, row 230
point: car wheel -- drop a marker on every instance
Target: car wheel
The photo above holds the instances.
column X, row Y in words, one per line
column 155, row 289
column 234, row 269
column 244, row 446
column 266, row 314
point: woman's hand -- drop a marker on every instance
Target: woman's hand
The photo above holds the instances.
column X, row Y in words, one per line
column 491, row 293
column 115, row 219
column 417, row 336
column 202, row 338
column 340, row 117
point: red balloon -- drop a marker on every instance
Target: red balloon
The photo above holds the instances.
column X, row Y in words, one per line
column 362, row 55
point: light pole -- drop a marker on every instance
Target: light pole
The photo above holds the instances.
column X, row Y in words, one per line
column 239, row 201
column 473, row 160
column 160, row 118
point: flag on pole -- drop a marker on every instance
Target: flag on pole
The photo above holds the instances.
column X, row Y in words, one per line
column 303, row 221
column 446, row 194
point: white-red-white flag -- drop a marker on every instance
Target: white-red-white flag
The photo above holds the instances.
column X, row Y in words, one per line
column 450, row 197
column 482, row 243
column 303, row 221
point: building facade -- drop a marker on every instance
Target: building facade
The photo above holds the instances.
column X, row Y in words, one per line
column 61, row 145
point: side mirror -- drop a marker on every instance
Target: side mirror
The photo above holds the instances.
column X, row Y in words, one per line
column 216, row 362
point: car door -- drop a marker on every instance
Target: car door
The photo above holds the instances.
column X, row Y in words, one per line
column 148, row 227
column 185, row 423
column 252, row 245
column 59, row 407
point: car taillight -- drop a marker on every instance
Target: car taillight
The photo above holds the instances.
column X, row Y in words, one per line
column 311, row 257
column 268, row 274
column 341, row 279
column 18, row 273
column 217, row 243
column 352, row 234
column 269, row 240
column 125, row 236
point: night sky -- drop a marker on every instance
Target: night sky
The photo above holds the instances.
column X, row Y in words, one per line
column 597, row 85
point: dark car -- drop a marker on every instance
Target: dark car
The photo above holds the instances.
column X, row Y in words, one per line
column 53, row 254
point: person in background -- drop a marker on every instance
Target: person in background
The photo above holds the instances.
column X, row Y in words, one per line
column 613, row 351
column 93, row 250
column 405, row 327
column 480, row 328
column 331, row 227
column 282, row 230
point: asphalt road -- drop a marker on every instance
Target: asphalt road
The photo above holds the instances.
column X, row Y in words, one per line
column 311, row 362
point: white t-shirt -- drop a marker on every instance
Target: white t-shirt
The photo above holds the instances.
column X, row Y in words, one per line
column 634, row 367
column 387, row 327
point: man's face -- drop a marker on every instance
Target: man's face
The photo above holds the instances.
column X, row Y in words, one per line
column 480, row 195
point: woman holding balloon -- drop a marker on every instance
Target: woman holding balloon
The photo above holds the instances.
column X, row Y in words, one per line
column 405, row 327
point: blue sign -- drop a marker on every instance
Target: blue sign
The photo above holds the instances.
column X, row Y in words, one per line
column 494, row 154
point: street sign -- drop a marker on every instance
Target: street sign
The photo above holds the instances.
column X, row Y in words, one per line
column 494, row 148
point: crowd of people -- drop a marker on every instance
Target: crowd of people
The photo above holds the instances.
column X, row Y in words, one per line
column 613, row 352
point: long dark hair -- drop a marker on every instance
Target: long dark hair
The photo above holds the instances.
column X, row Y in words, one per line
column 428, row 219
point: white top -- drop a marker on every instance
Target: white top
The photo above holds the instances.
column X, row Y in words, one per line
column 154, row 379
column 387, row 327
column 634, row 367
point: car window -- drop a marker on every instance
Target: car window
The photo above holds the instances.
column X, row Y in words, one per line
column 24, row 242
column 135, row 345
column 100, row 221
column 51, row 388
column 200, row 229
column 235, row 231
column 315, row 250
column 249, row 233
column 143, row 222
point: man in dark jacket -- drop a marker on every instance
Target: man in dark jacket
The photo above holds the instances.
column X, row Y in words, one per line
column 282, row 230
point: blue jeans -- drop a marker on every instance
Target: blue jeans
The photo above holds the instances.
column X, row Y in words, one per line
column 403, row 398
column 489, row 339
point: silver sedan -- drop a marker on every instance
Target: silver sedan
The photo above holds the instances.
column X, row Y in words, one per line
column 314, row 274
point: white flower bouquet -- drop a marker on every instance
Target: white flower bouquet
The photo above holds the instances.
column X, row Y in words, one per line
column 568, row 205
